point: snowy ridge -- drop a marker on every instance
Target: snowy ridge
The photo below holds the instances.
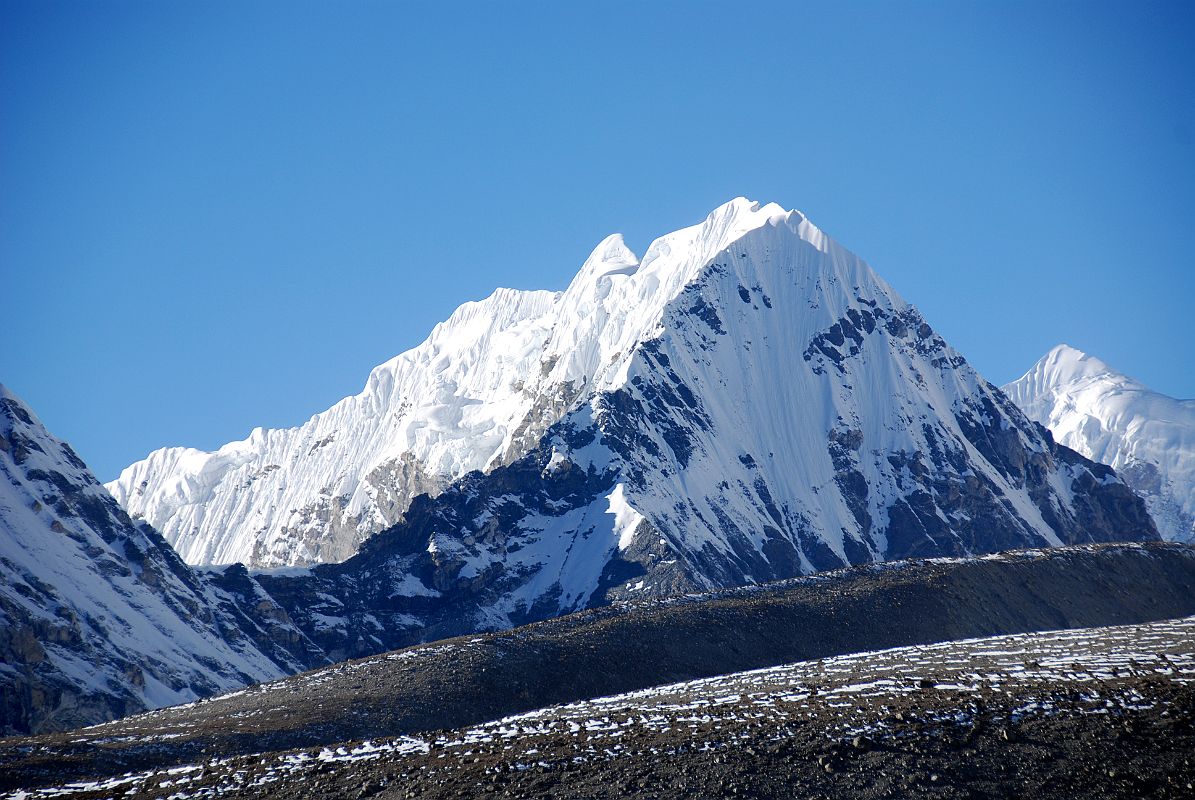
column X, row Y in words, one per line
column 749, row 401
column 98, row 617
column 297, row 495
column 1147, row 437
column 764, row 410
column 478, row 392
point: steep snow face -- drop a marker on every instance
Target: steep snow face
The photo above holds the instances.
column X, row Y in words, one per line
column 784, row 411
column 763, row 399
column 478, row 393
column 98, row 617
column 1147, row 437
column 312, row 493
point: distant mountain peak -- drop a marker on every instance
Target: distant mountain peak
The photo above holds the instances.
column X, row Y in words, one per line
column 1147, row 437
column 1064, row 364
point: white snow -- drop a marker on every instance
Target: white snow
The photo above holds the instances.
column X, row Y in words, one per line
column 731, row 304
column 626, row 519
column 453, row 404
column 1147, row 437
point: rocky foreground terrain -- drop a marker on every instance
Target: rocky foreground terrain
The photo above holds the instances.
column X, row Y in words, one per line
column 1098, row 712
column 310, row 723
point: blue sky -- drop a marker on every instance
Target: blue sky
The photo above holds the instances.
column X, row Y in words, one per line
column 216, row 216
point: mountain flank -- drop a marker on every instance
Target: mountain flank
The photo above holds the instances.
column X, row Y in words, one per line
column 99, row 618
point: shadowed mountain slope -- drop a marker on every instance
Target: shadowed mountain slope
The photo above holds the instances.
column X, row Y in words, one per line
column 99, row 617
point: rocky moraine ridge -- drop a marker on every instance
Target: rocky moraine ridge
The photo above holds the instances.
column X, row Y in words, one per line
column 1026, row 713
column 1100, row 712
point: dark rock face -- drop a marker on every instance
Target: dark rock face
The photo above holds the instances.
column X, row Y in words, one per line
column 255, row 615
column 1104, row 509
column 420, row 580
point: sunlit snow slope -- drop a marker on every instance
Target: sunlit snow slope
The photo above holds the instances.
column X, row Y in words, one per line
column 752, row 390
column 98, row 616
column 1147, row 437
column 753, row 403
column 478, row 392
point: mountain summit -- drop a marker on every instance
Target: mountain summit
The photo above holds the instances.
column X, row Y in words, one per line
column 746, row 401
column 477, row 393
column 754, row 400
column 1147, row 437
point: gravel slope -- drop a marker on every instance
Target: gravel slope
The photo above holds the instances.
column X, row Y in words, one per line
column 628, row 647
column 1103, row 712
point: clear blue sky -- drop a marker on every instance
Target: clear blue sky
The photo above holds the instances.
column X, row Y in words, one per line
column 216, row 216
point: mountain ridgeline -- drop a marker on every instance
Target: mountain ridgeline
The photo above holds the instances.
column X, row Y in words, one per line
column 747, row 401
column 780, row 411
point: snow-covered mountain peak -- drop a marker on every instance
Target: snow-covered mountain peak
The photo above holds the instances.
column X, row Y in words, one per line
column 1147, row 437
column 610, row 257
column 477, row 392
column 752, row 287
column 1065, row 364
column 691, row 248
